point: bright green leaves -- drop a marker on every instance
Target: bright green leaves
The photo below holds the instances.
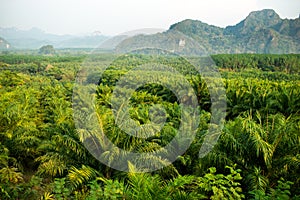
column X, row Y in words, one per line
column 81, row 176
column 220, row 186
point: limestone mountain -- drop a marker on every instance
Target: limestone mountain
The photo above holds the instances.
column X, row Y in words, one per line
column 4, row 45
column 261, row 32
column 255, row 21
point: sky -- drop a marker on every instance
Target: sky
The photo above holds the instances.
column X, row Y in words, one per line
column 112, row 17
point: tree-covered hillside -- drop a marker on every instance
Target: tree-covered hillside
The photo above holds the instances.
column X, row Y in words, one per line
column 4, row 45
column 261, row 32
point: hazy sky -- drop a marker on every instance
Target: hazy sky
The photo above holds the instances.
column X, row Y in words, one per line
column 112, row 17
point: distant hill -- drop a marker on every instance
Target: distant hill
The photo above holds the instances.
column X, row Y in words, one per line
column 35, row 38
column 113, row 42
column 261, row 32
column 4, row 45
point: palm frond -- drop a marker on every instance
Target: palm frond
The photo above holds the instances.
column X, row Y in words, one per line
column 80, row 176
column 52, row 164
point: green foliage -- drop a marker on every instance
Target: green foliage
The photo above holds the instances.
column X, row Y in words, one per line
column 60, row 190
column 281, row 192
column 81, row 176
column 288, row 63
column 47, row 49
column 219, row 186
column 42, row 155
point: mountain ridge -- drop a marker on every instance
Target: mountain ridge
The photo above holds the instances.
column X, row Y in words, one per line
column 34, row 38
column 260, row 32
